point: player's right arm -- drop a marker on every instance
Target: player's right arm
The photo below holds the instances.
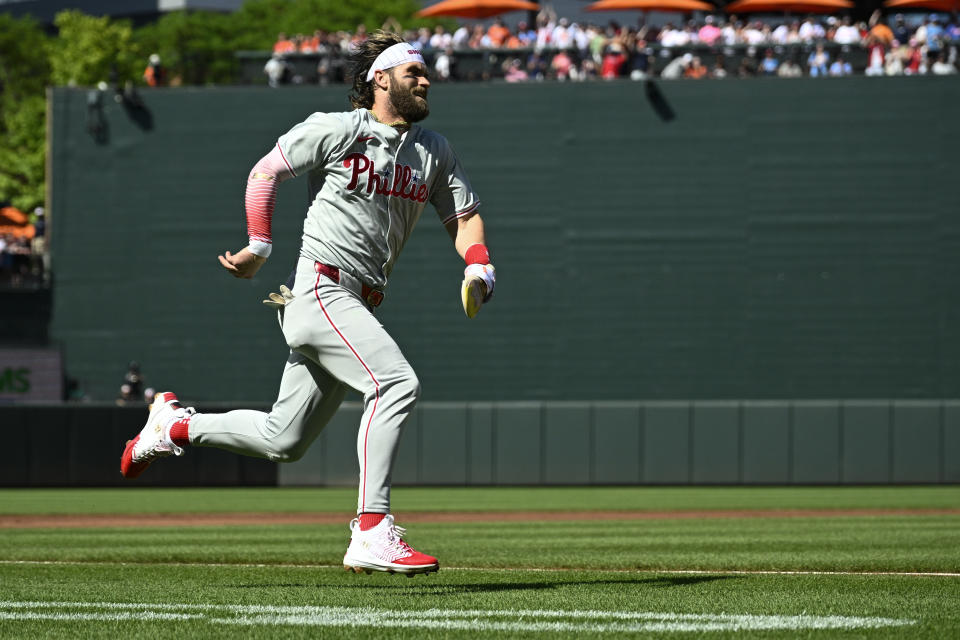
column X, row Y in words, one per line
column 308, row 145
column 260, row 198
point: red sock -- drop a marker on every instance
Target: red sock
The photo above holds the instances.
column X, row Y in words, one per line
column 180, row 433
column 370, row 520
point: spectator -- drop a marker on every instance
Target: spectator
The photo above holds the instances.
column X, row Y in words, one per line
column 6, row 255
column 526, row 35
column 811, row 30
column 779, row 35
column 562, row 66
column 846, row 33
column 747, row 68
column 790, row 69
column 879, row 32
column 901, row 32
column 461, row 37
column 536, row 67
column 514, row 71
column 753, row 34
column 360, row 35
column 283, row 45
column 444, row 65
column 935, row 35
column 613, row 61
column 793, row 33
column 498, row 33
column 729, row 32
column 666, row 36
column 818, row 62
column 696, row 70
column 719, row 68
column 332, row 66
column 677, row 67
column 278, row 71
column 38, row 245
column 895, row 60
column 709, row 33
column 941, row 67
column 915, row 64
column 642, row 62
column 562, row 36
column 876, row 54
column 479, row 38
column 921, row 33
column 840, row 67
column 440, row 39
column 155, row 75
column 769, row 64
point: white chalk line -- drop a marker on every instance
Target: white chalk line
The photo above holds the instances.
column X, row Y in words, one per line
column 713, row 572
column 534, row 620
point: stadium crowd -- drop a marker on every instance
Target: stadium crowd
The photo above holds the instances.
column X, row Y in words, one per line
column 23, row 249
column 556, row 48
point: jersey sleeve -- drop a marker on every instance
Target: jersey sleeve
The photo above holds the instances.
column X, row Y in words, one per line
column 452, row 194
column 310, row 143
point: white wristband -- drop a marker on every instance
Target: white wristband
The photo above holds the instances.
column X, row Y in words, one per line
column 260, row 248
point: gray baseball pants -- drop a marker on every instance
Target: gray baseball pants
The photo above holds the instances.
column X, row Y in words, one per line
column 335, row 343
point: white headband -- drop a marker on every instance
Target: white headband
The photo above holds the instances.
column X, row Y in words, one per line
column 393, row 56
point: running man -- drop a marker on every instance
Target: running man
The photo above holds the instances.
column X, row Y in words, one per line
column 370, row 173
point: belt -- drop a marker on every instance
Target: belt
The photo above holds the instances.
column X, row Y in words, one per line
column 372, row 296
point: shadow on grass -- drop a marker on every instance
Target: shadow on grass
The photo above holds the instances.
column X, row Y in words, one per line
column 420, row 585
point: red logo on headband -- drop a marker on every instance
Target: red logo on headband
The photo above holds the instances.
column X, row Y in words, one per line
column 413, row 52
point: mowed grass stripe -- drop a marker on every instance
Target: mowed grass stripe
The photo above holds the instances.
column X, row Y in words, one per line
column 135, row 499
column 885, row 544
column 694, row 572
column 530, row 620
column 932, row 604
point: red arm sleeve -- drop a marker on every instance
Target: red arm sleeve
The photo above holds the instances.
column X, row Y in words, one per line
column 261, row 196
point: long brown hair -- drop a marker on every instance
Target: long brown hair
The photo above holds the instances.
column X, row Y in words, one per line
column 359, row 61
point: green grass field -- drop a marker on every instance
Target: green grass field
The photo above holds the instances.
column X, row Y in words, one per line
column 839, row 575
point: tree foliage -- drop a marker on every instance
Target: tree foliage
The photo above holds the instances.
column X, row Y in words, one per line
column 24, row 73
column 91, row 49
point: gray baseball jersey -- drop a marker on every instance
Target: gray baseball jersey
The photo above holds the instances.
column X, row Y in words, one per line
column 368, row 184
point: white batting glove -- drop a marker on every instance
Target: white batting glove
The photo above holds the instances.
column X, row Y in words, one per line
column 485, row 272
column 279, row 300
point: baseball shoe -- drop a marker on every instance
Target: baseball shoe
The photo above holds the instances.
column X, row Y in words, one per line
column 382, row 549
column 153, row 441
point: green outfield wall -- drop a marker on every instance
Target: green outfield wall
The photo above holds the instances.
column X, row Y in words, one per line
column 762, row 240
column 532, row 443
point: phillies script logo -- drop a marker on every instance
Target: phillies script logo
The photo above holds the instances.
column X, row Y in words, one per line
column 404, row 185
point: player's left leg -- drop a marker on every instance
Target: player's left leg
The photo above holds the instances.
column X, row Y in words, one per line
column 308, row 398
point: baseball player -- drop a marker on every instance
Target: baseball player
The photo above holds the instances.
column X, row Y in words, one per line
column 370, row 173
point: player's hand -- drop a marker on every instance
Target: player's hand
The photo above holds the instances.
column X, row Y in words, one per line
column 477, row 287
column 242, row 264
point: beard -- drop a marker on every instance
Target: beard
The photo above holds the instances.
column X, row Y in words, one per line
column 410, row 104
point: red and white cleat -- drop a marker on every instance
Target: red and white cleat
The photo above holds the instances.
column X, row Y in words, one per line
column 382, row 549
column 153, row 441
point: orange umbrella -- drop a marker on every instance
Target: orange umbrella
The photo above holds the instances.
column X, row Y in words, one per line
column 477, row 9
column 15, row 222
column 936, row 5
column 650, row 5
column 788, row 6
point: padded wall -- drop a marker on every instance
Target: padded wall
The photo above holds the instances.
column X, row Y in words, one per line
column 765, row 239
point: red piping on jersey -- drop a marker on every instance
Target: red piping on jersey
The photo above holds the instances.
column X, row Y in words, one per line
column 363, row 486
